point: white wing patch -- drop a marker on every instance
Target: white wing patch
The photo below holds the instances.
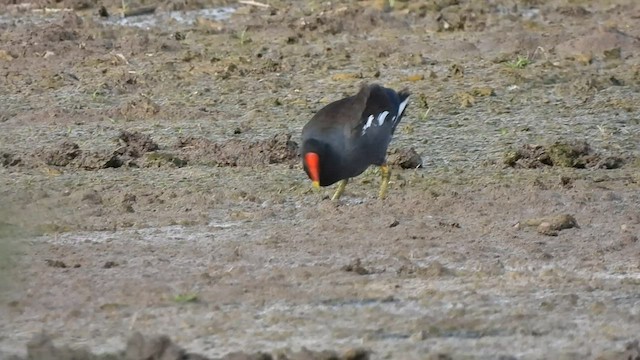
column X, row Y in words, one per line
column 380, row 120
column 368, row 124
column 381, row 117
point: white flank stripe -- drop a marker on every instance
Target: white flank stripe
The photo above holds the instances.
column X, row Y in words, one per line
column 402, row 106
column 381, row 117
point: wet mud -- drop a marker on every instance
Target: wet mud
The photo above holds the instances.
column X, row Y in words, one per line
column 153, row 203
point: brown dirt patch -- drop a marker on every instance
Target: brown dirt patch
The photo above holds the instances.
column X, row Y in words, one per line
column 140, row 108
column 576, row 154
column 600, row 42
column 133, row 145
column 140, row 150
column 138, row 347
column 276, row 150
column 342, row 19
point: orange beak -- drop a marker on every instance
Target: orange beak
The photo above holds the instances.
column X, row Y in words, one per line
column 313, row 164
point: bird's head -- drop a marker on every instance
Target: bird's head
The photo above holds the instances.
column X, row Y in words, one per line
column 312, row 167
column 313, row 152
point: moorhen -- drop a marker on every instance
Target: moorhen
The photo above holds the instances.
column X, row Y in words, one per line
column 347, row 136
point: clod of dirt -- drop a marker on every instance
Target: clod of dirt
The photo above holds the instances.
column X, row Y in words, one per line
column 41, row 348
column 132, row 146
column 573, row 11
column 610, row 162
column 483, row 91
column 63, row 155
column 92, row 197
column 546, row 228
column 406, row 158
column 356, row 354
column 96, row 161
column 138, row 347
column 566, row 181
column 68, row 153
column 434, row 269
column 551, row 225
column 160, row 159
column 450, row 21
column 613, row 54
column 160, row 347
column 236, row 152
column 135, row 144
column 569, row 154
column 109, row 265
column 71, row 20
column 79, row 4
column 58, row 33
column 345, row 19
column 306, row 354
column 139, row 108
column 456, row 70
column 356, row 267
column 244, row 356
column 577, row 154
column 127, row 202
column 102, row 12
column 453, row 225
column 56, row 264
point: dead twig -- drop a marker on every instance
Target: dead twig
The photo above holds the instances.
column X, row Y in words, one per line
column 50, row 10
column 254, row 3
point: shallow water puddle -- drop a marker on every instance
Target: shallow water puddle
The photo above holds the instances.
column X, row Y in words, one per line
column 165, row 19
column 148, row 21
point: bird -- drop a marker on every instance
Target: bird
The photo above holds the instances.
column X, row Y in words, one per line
column 347, row 136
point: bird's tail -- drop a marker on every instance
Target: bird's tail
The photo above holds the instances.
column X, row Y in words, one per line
column 403, row 101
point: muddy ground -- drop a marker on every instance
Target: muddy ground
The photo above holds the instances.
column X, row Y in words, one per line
column 150, row 181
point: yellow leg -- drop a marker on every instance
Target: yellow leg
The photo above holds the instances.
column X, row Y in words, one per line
column 386, row 176
column 341, row 185
column 316, row 189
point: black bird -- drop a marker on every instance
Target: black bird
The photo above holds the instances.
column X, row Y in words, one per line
column 347, row 136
